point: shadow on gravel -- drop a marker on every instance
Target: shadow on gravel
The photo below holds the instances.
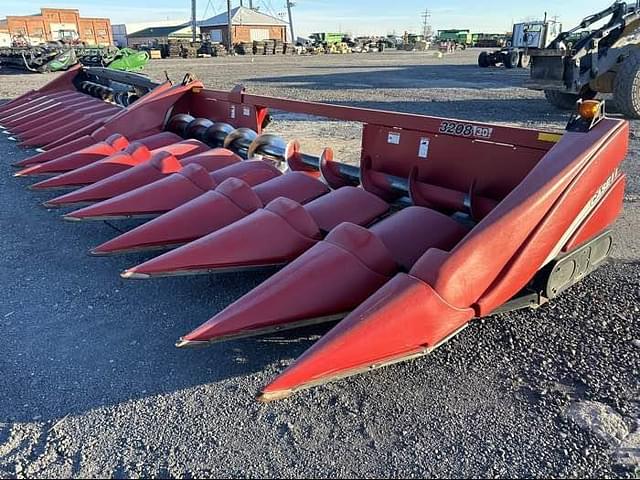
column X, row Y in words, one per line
column 406, row 76
column 77, row 337
column 111, row 346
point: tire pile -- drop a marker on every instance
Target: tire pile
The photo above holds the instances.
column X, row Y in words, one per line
column 244, row 48
column 212, row 49
column 264, row 47
column 182, row 49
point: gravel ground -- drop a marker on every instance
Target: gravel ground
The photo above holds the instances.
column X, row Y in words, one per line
column 91, row 385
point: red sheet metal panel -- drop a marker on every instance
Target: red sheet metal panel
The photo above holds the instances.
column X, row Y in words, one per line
column 494, row 251
column 446, row 161
column 603, row 215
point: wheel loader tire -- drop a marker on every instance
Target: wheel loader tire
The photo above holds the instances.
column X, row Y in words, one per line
column 626, row 87
column 562, row 100
column 525, row 60
column 510, row 59
column 483, row 60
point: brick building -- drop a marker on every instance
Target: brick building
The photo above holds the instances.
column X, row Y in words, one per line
column 54, row 24
column 246, row 25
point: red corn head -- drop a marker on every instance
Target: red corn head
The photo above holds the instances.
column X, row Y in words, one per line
column 86, row 124
column 273, row 235
column 406, row 318
column 347, row 267
column 26, row 102
column 230, row 201
column 36, row 119
column 43, row 156
column 29, row 101
column 134, row 154
column 160, row 165
column 77, row 160
column 152, row 142
column 97, row 151
column 47, row 106
column 63, row 124
column 167, row 193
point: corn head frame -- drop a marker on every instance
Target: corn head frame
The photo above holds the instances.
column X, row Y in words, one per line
column 444, row 221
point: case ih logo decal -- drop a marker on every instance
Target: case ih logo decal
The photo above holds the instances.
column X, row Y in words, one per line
column 465, row 130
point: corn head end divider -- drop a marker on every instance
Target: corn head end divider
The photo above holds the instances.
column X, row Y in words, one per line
column 443, row 221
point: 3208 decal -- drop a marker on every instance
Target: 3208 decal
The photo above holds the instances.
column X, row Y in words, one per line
column 465, row 130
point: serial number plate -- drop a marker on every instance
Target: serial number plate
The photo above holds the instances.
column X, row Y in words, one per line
column 465, row 130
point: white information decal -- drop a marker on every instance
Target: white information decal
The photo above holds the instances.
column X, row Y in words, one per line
column 393, row 138
column 246, row 111
column 465, row 129
column 423, row 150
column 232, row 111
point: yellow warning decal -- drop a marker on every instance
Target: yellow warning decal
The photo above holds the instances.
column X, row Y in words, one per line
column 549, row 137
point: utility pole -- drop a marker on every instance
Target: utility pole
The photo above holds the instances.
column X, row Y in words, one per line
column 289, row 5
column 194, row 23
column 426, row 28
column 229, row 29
column 251, row 4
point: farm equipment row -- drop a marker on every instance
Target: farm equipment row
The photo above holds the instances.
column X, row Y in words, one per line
column 443, row 221
column 55, row 57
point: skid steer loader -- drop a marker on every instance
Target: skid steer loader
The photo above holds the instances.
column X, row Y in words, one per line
column 606, row 60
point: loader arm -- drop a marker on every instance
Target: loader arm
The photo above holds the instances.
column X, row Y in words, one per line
column 572, row 71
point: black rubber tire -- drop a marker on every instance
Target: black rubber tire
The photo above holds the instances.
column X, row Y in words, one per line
column 562, row 100
column 483, row 60
column 524, row 61
column 626, row 87
column 510, row 59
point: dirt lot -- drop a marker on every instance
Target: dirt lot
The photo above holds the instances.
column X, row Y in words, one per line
column 91, row 385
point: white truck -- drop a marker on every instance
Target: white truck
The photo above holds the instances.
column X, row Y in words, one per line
column 526, row 36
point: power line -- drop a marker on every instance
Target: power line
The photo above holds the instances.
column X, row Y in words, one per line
column 426, row 27
column 269, row 7
column 206, row 9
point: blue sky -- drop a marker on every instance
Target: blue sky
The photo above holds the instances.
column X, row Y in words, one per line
column 358, row 17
